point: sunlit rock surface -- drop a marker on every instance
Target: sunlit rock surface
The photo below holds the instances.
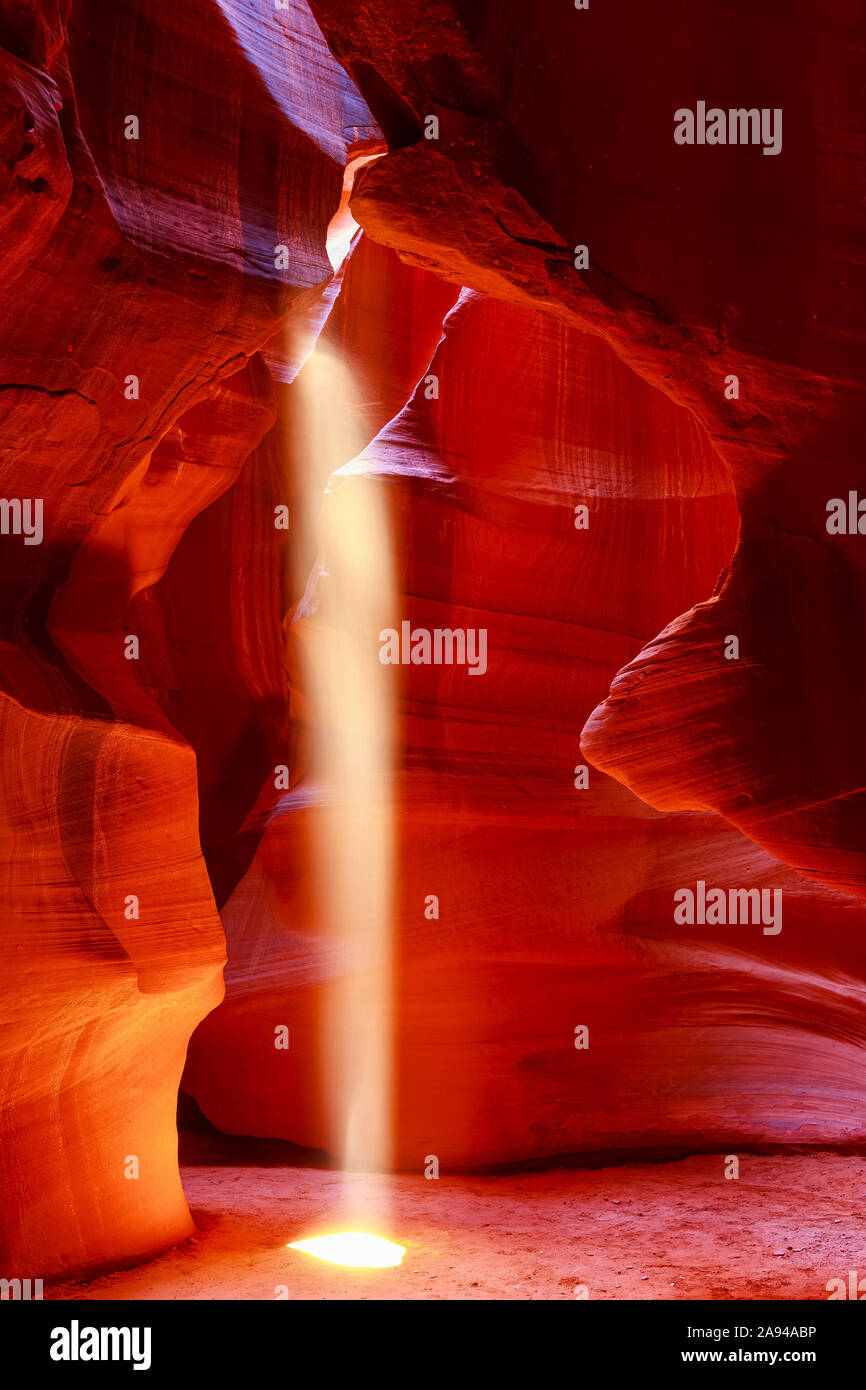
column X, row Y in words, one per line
column 112, row 952
column 195, row 340
column 556, row 905
column 704, row 262
column 155, row 158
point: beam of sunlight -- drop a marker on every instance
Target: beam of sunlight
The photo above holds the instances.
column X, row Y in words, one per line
column 354, row 1248
column 349, row 697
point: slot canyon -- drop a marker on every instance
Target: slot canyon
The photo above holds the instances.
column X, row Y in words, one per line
column 433, row 779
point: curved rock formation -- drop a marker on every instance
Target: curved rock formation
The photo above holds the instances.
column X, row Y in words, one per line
column 704, row 263
column 170, row 177
column 112, row 952
column 555, row 904
column 594, row 389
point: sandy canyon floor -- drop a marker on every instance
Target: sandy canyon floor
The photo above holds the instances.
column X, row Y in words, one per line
column 675, row 1230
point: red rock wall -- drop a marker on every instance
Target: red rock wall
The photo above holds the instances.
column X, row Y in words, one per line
column 557, row 130
column 154, row 259
column 149, row 258
column 556, row 905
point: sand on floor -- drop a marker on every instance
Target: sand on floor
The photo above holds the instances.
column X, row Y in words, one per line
column 675, row 1230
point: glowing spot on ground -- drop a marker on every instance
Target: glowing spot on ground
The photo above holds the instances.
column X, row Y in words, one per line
column 353, row 1248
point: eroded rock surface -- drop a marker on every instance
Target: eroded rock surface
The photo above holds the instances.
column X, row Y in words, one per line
column 155, row 158
column 188, row 347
